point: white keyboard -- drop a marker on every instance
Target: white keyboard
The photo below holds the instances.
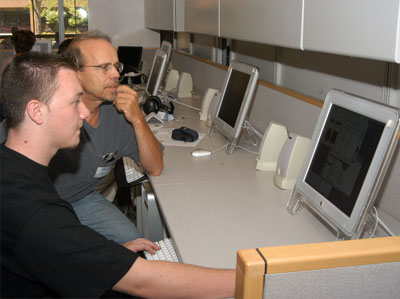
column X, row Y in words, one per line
column 167, row 252
column 133, row 171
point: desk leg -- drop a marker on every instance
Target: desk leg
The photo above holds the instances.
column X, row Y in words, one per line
column 152, row 225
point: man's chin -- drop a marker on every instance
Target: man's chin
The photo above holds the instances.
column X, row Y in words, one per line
column 75, row 142
column 109, row 97
column 73, row 145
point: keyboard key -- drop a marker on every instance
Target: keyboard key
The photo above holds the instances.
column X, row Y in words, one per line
column 133, row 171
column 167, row 252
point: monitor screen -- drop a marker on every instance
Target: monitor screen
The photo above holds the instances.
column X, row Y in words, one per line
column 157, row 73
column 351, row 146
column 130, row 57
column 233, row 97
column 42, row 45
column 234, row 101
column 343, row 156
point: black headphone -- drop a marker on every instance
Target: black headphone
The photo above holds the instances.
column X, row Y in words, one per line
column 153, row 104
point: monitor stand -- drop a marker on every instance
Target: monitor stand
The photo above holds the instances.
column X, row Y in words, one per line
column 153, row 115
column 366, row 228
column 231, row 144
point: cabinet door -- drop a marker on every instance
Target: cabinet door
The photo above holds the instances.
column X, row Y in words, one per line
column 362, row 28
column 159, row 14
column 265, row 21
column 202, row 16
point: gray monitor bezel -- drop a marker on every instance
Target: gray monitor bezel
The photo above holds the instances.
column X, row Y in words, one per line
column 233, row 133
column 160, row 54
column 350, row 227
column 166, row 46
column 42, row 45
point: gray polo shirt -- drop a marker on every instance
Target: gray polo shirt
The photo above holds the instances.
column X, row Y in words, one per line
column 77, row 172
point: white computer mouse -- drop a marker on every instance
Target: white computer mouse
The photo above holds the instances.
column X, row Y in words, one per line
column 201, row 153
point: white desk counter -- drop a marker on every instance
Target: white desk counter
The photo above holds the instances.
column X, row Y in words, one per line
column 216, row 205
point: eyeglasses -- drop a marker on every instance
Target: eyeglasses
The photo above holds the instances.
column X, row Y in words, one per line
column 107, row 67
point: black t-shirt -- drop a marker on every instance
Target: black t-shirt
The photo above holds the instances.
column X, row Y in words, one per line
column 45, row 251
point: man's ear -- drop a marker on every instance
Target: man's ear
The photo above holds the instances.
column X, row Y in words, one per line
column 35, row 110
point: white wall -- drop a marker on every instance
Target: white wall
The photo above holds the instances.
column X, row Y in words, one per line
column 315, row 73
column 123, row 21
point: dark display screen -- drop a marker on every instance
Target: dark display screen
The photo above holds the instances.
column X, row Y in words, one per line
column 233, row 97
column 343, row 156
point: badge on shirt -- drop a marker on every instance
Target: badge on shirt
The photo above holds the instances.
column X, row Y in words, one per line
column 102, row 172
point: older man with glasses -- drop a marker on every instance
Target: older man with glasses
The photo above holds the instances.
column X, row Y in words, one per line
column 114, row 128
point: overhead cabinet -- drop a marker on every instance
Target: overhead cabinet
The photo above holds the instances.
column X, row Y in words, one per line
column 202, row 16
column 164, row 14
column 264, row 21
column 361, row 28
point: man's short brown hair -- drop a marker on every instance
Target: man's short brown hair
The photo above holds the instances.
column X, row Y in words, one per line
column 28, row 76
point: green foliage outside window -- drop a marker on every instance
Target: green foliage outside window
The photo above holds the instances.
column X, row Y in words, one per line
column 75, row 17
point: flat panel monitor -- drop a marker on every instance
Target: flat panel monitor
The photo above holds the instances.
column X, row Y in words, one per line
column 349, row 153
column 42, row 45
column 157, row 73
column 130, row 57
column 235, row 97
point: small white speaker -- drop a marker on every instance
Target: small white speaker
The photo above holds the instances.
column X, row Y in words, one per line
column 208, row 96
column 212, row 108
column 274, row 137
column 290, row 161
column 171, row 82
column 185, row 85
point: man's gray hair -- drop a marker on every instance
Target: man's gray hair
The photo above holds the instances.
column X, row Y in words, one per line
column 73, row 49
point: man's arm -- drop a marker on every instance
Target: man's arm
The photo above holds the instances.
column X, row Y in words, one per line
column 156, row 279
column 150, row 151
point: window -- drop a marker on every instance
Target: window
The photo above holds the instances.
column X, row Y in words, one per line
column 14, row 17
column 41, row 17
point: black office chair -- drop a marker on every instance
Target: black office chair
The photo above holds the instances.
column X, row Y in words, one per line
column 127, row 191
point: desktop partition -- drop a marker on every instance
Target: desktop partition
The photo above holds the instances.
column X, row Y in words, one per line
column 366, row 268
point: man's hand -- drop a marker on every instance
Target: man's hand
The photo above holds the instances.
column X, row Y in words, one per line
column 126, row 102
column 142, row 244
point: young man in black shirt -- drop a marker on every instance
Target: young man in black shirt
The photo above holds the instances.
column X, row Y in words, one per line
column 45, row 251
